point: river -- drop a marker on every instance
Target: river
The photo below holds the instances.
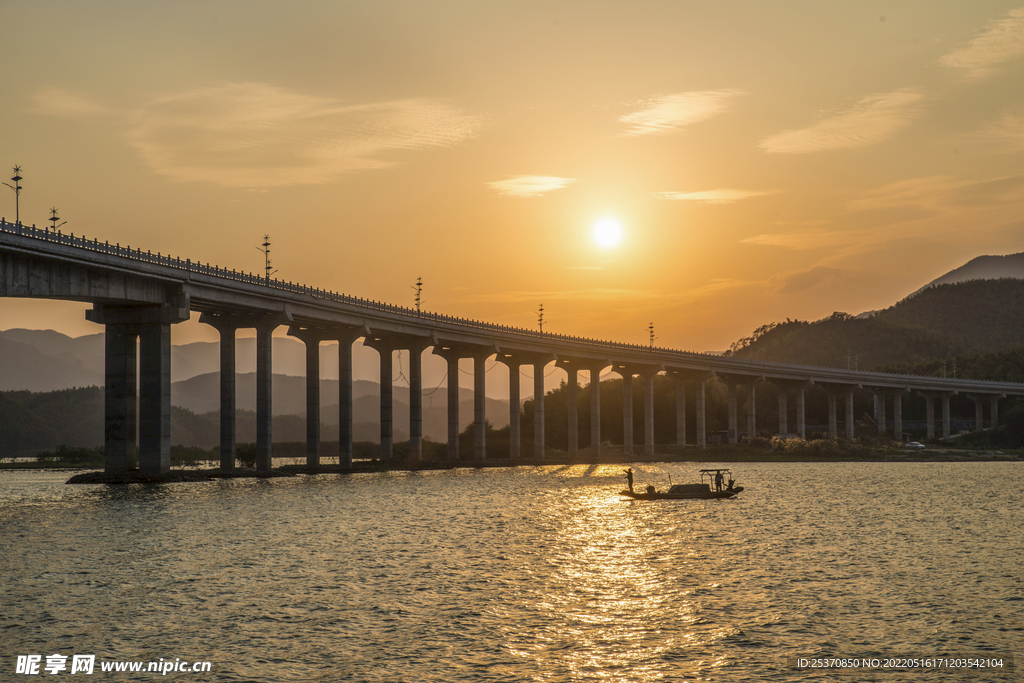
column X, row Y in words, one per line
column 527, row 574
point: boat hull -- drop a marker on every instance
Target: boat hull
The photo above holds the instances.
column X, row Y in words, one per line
column 637, row 495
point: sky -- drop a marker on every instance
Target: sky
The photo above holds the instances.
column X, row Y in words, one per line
column 705, row 167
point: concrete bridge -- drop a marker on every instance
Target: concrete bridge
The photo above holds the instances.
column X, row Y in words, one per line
column 138, row 296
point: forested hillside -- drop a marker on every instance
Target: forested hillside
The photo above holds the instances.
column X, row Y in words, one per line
column 938, row 323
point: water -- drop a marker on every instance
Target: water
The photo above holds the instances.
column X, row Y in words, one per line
column 532, row 574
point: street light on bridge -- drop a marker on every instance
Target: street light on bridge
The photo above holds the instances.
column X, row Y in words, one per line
column 17, row 193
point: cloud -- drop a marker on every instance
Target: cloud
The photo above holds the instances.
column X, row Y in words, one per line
column 921, row 192
column 712, row 196
column 59, row 102
column 797, row 282
column 258, row 135
column 668, row 113
column 871, row 120
column 530, row 185
column 1008, row 131
column 1001, row 41
column 803, row 240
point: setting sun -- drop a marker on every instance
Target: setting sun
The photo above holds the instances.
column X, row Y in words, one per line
column 607, row 233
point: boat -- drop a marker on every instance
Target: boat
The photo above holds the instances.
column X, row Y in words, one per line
column 703, row 490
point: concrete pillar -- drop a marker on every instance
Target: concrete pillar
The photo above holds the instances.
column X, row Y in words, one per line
column 783, row 412
column 155, row 398
column 345, row 401
column 994, row 412
column 453, row 406
column 387, row 392
column 514, row 406
column 264, row 385
column 979, row 413
column 897, row 415
column 801, row 419
column 311, row 338
column 929, row 412
column 680, row 385
column 416, row 402
column 833, row 428
column 751, row 413
column 733, row 436
column 627, row 411
column 849, row 416
column 479, row 408
column 227, row 398
column 595, row 409
column 120, row 399
column 572, row 409
column 538, row 409
column 880, row 396
column 226, row 326
column 649, row 413
column 700, row 399
column 945, row 416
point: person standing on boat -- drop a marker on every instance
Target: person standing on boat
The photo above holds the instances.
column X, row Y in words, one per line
column 629, row 478
column 718, row 481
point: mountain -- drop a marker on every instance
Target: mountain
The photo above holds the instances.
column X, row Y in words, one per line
column 944, row 321
column 31, row 422
column 985, row 268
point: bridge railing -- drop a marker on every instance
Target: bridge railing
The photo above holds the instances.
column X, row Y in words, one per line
column 189, row 266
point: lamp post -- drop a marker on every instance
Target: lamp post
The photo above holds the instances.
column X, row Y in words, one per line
column 17, row 193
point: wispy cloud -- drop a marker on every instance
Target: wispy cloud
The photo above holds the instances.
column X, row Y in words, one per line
column 941, row 193
column 530, row 185
column 999, row 42
column 668, row 113
column 871, row 120
column 803, row 239
column 255, row 135
column 808, row 279
column 713, row 196
column 60, row 102
column 1008, row 131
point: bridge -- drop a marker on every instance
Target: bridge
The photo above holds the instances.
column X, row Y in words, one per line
column 138, row 296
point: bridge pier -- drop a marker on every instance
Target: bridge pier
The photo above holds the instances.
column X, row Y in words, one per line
column 833, row 427
column 994, row 412
column 312, row 337
column 849, row 415
column 751, row 412
column 572, row 366
column 538, row 408
column 680, row 387
column 120, row 450
column 150, row 405
column 880, row 396
column 801, row 411
column 512, row 362
column 345, row 341
column 594, row 370
column 226, row 325
column 783, row 411
column 701, row 413
column 897, row 415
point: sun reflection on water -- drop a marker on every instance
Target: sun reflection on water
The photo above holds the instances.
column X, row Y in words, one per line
column 623, row 597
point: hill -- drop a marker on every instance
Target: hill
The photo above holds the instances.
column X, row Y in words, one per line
column 944, row 321
column 984, row 268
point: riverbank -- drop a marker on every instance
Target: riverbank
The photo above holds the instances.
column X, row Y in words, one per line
column 717, row 454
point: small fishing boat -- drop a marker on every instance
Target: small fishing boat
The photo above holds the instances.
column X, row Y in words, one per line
column 713, row 487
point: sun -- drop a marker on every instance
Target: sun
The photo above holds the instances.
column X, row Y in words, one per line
column 607, row 233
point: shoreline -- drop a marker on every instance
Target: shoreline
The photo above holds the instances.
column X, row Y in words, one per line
column 94, row 476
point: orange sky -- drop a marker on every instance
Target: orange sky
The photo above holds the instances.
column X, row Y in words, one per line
column 764, row 160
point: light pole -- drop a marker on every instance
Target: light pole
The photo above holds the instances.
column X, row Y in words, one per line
column 540, row 318
column 54, row 218
column 17, row 194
